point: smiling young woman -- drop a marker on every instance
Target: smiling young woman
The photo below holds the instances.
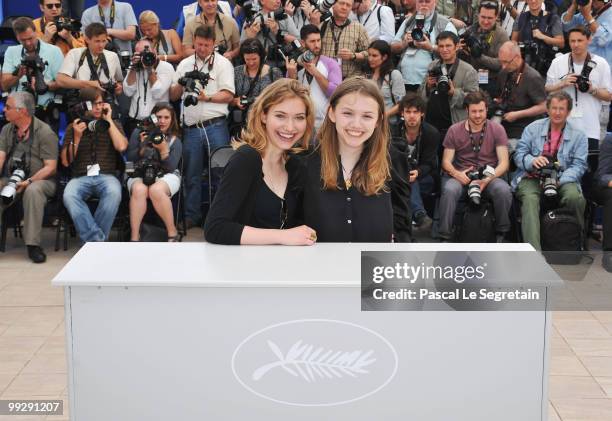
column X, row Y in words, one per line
column 257, row 200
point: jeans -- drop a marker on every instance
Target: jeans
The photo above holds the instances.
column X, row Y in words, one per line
column 421, row 186
column 108, row 191
column 197, row 143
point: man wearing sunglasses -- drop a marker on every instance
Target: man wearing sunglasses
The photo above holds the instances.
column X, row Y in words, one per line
column 46, row 28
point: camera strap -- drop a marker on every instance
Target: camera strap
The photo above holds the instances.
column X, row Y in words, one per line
column 24, row 53
column 160, row 40
column 24, row 144
column 93, row 69
column 253, row 82
column 209, row 62
column 417, row 142
column 477, row 146
column 602, row 10
column 112, row 15
column 336, row 38
column 377, row 7
column 513, row 80
column 572, row 71
column 549, row 141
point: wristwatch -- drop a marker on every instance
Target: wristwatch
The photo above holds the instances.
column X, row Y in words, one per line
column 29, row 180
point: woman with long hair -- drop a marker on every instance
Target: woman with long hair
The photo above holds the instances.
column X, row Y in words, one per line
column 164, row 151
column 390, row 81
column 346, row 197
column 257, row 200
column 166, row 42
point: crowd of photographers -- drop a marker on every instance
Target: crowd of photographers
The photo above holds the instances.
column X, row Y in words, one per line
column 485, row 99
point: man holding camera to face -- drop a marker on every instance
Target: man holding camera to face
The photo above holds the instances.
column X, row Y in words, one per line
column 92, row 147
column 147, row 82
column 416, row 42
column 33, row 66
column 205, row 84
column 119, row 20
column 28, row 157
column 53, row 28
column 480, row 45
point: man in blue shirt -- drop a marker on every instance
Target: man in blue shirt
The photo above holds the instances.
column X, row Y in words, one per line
column 15, row 76
column 119, row 20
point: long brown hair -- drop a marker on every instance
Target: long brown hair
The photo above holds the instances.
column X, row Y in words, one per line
column 372, row 170
column 174, row 127
column 255, row 132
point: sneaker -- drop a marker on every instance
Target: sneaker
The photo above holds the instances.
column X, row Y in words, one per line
column 36, row 254
column 422, row 221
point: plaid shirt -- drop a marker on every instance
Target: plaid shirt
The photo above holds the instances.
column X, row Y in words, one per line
column 353, row 37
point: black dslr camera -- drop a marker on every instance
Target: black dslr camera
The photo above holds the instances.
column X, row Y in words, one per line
column 582, row 81
column 94, row 125
column 148, row 168
column 474, row 193
column 194, row 82
column 148, row 57
column 150, row 126
column 221, row 49
column 417, row 32
column 292, row 51
column 474, row 42
column 443, row 82
column 549, row 177
column 71, row 25
column 19, row 172
column 35, row 67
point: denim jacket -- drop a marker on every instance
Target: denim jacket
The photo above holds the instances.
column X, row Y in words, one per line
column 572, row 154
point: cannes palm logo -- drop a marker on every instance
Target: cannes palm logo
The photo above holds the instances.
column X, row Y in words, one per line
column 314, row 362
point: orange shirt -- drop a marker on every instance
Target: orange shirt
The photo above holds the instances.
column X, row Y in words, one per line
column 61, row 42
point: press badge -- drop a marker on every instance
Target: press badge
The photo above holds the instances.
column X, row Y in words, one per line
column 576, row 113
column 483, row 77
column 93, row 170
column 411, row 52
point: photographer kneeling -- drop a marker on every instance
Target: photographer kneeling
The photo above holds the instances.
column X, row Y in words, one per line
column 92, row 145
column 550, row 149
column 156, row 151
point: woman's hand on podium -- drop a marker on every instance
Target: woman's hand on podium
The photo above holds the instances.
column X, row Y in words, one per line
column 298, row 236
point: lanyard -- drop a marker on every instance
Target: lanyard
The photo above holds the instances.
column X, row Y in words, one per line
column 417, row 143
column 507, row 94
column 26, row 141
column 572, row 71
column 369, row 14
column 210, row 61
column 112, row 15
column 24, row 53
column 217, row 21
column 477, row 146
column 337, row 38
column 549, row 140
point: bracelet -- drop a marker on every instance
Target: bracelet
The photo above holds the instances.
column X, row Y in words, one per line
column 592, row 21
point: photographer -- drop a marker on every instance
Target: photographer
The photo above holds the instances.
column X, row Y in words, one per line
column 227, row 37
column 539, row 34
column 586, row 78
column 460, row 12
column 67, row 37
column 205, row 83
column 299, row 12
column 417, row 54
column 475, row 153
column 250, row 79
column 378, row 20
column 544, row 142
column 603, row 196
column 92, row 67
column 480, row 45
column 521, row 97
column 321, row 74
column 272, row 27
column 421, row 141
column 156, row 151
column 596, row 16
column 345, row 41
column 147, row 82
column 92, row 145
column 119, row 20
column 166, row 42
column 32, row 66
column 34, row 144
column 388, row 79
column 448, row 82
column 193, row 9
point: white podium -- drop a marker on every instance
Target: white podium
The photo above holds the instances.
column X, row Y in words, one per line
column 196, row 331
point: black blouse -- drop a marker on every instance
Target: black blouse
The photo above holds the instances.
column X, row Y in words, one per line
column 242, row 200
column 344, row 215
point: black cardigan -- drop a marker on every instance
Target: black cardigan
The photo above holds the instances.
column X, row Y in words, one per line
column 428, row 149
column 233, row 205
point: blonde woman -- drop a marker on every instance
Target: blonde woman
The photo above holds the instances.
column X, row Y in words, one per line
column 345, row 181
column 166, row 42
column 257, row 201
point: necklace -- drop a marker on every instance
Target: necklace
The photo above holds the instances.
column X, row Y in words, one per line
column 347, row 176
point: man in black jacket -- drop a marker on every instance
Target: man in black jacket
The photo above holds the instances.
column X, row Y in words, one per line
column 420, row 141
column 603, row 194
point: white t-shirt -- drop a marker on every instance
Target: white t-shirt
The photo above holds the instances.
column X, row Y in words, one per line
column 586, row 108
column 319, row 99
column 142, row 104
column 71, row 67
column 508, row 22
column 385, row 30
column 221, row 78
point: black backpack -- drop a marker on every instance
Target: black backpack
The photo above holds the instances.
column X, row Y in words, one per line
column 478, row 225
column 561, row 234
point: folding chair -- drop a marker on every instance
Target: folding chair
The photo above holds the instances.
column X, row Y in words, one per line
column 216, row 164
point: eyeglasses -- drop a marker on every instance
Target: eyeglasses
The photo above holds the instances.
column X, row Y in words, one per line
column 98, row 103
column 53, row 6
column 283, row 214
column 506, row 62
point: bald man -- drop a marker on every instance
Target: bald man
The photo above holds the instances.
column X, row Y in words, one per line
column 521, row 96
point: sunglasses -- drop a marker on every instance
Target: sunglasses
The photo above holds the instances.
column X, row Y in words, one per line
column 53, row 6
column 283, row 214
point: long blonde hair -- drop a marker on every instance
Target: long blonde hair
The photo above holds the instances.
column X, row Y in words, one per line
column 255, row 132
column 372, row 170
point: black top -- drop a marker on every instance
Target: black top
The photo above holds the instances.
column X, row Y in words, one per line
column 343, row 215
column 238, row 199
column 438, row 111
column 425, row 149
column 269, row 209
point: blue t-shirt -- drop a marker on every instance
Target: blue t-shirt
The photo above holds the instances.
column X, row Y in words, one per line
column 49, row 53
column 124, row 18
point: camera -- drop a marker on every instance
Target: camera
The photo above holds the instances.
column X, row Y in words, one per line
column 18, row 174
column 537, row 54
column 148, row 168
column 194, row 82
column 306, row 57
column 443, row 84
column 150, row 126
column 246, row 101
column 249, row 10
column 93, row 125
column 582, row 81
column 35, row 67
column 549, row 177
column 326, row 6
column 71, row 25
column 474, row 193
column 221, row 49
column 475, row 44
column 277, row 15
column 148, row 57
column 292, row 51
column 417, row 32
column 498, row 113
